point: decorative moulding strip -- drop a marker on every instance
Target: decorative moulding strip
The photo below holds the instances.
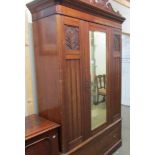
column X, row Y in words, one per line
column 123, row 2
column 99, row 8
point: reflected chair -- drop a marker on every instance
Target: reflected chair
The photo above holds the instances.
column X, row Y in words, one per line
column 101, row 87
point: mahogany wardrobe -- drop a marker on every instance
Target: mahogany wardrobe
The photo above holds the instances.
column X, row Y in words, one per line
column 77, row 46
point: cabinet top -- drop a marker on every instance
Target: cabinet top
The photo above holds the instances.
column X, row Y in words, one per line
column 101, row 8
column 35, row 125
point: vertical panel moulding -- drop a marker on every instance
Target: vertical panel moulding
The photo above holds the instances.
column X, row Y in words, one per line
column 75, row 110
column 111, row 75
column 69, row 101
column 108, row 74
column 116, row 74
column 73, row 98
column 76, row 128
column 85, row 57
column 114, row 80
column 79, row 97
column 59, row 41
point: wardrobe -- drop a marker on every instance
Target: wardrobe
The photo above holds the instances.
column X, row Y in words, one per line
column 77, row 49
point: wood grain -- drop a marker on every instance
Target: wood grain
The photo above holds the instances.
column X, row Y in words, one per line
column 40, row 136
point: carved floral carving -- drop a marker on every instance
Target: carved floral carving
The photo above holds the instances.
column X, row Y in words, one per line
column 71, row 37
column 117, row 40
column 106, row 5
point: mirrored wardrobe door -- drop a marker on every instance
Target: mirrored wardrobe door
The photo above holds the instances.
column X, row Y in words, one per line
column 98, row 77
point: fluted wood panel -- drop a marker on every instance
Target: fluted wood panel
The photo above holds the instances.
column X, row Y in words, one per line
column 116, row 74
column 73, row 98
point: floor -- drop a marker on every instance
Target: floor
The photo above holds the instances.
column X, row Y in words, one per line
column 98, row 115
column 125, row 148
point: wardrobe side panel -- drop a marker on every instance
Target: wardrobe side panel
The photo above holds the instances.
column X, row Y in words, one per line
column 47, row 67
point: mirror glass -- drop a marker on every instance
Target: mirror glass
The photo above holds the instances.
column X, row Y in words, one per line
column 98, row 78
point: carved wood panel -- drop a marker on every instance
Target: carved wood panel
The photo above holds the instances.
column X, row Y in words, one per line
column 117, row 42
column 71, row 37
column 73, row 81
column 105, row 4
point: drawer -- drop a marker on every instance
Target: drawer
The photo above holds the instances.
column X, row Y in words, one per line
column 101, row 143
column 45, row 144
column 41, row 136
column 113, row 136
column 39, row 147
column 106, row 140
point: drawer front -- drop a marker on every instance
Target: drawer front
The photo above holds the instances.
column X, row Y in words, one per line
column 46, row 144
column 40, row 147
column 102, row 143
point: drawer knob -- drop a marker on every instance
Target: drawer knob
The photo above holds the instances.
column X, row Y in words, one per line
column 54, row 136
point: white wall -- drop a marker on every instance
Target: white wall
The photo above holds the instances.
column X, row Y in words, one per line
column 125, row 69
column 31, row 105
column 125, row 12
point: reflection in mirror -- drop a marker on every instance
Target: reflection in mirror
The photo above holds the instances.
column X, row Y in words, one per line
column 98, row 78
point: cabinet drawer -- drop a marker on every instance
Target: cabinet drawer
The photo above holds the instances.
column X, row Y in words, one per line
column 40, row 147
column 45, row 144
column 113, row 136
column 101, row 143
column 109, row 138
column 41, row 136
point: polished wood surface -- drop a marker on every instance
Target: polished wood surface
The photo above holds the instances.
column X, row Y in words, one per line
column 70, row 12
column 105, row 29
column 73, row 81
column 101, row 8
column 47, row 68
column 35, row 125
column 41, row 136
column 62, row 61
column 116, row 74
column 104, row 142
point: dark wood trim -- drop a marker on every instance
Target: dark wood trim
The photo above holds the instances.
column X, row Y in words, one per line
column 101, row 28
column 93, row 137
column 91, row 8
column 38, row 141
column 63, row 136
column 36, row 125
column 63, row 10
column 116, row 67
column 114, row 148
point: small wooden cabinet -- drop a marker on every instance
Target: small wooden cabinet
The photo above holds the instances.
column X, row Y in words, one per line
column 77, row 42
column 41, row 137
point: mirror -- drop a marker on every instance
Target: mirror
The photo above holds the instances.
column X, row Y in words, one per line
column 98, row 78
